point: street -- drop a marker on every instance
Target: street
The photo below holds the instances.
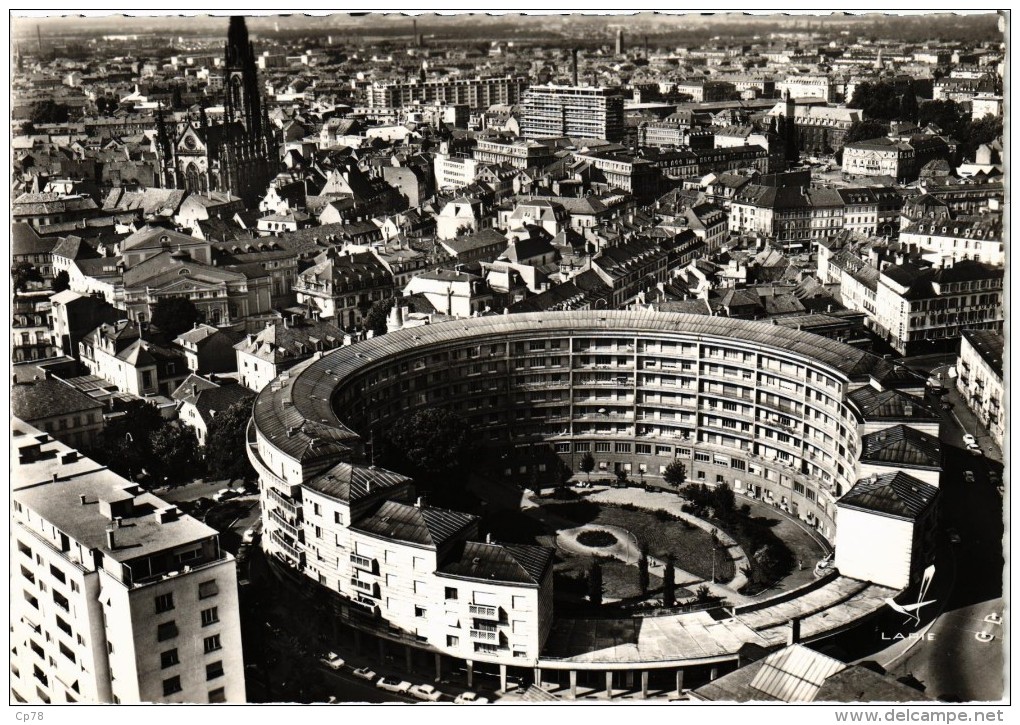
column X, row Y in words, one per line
column 955, row 659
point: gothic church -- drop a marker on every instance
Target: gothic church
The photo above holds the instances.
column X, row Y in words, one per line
column 240, row 155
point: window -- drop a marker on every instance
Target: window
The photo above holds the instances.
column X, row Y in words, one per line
column 602, row 447
column 336, row 518
column 210, row 616
column 61, row 601
column 168, row 658
column 64, row 626
column 419, row 611
column 66, row 651
column 214, row 670
column 172, row 685
column 208, row 589
column 164, row 602
column 167, row 630
column 218, row 695
column 452, row 640
column 57, row 574
column 211, row 644
column 451, row 592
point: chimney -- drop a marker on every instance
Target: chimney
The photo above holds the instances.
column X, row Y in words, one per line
column 82, row 498
column 488, row 538
column 194, row 389
column 794, row 631
column 56, row 477
column 111, row 540
column 418, row 503
column 908, row 410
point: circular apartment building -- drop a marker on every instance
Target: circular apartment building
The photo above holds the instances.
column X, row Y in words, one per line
column 800, row 421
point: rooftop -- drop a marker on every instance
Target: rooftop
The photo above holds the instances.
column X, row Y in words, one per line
column 898, row 495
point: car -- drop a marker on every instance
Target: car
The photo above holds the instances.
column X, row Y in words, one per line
column 974, row 449
column 364, row 673
column 969, row 440
column 252, row 531
column 392, row 684
column 968, row 476
column 425, row 692
column 333, row 661
column 954, row 536
column 470, row 698
column 224, row 494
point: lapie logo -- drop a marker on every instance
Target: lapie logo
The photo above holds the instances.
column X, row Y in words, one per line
column 912, row 611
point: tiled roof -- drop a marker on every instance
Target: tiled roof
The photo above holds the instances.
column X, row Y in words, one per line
column 349, row 482
column 508, row 563
column 891, row 405
column 901, row 445
column 896, row 494
column 427, row 527
column 48, row 398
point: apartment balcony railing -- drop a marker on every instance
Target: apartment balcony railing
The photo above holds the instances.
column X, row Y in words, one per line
column 485, row 635
column 363, row 562
column 483, row 611
column 280, row 520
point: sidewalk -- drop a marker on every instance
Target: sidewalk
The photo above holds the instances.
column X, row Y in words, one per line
column 653, row 501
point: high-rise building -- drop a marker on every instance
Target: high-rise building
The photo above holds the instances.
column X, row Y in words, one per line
column 116, row 596
column 477, row 93
column 239, row 155
column 575, row 111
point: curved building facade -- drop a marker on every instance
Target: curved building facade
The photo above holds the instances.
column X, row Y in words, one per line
column 774, row 413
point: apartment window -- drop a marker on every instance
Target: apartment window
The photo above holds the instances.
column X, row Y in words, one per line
column 210, row 616
column 316, row 509
column 167, row 630
column 451, row 592
column 66, row 651
column 61, row 601
column 168, row 658
column 208, row 589
column 218, row 695
column 64, row 626
column 164, row 602
column 24, row 549
column 211, row 644
column 214, row 670
column 336, row 518
column 602, row 447
column 452, row 640
column 57, row 574
column 419, row 611
column 582, row 447
column 172, row 685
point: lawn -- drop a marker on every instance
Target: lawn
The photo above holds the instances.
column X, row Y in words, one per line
column 691, row 546
column 619, row 580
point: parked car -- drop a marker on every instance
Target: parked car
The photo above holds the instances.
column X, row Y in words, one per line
column 224, row 494
column 252, row 531
column 333, row 661
column 969, row 440
column 968, row 476
column 425, row 692
column 364, row 673
column 469, row 698
column 974, row 449
column 391, row 684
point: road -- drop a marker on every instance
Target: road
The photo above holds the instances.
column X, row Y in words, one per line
column 193, row 491
column 951, row 662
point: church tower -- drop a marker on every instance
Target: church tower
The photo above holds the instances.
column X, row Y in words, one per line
column 241, row 82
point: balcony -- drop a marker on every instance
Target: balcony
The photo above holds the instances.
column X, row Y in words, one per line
column 280, row 520
column 367, row 588
column 482, row 611
column 365, row 606
column 290, row 505
column 287, row 549
column 363, row 562
column 485, row 635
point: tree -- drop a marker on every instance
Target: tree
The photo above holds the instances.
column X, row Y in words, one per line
column 431, row 445
column 675, row 474
column 723, row 501
column 22, row 273
column 877, row 100
column 669, row 583
column 565, row 473
column 62, row 281
column 768, row 565
column 174, row 315
column 595, row 583
column 375, row 320
column 702, row 594
column 908, row 107
column 587, row 464
column 226, row 441
column 949, row 116
column 175, row 448
column 643, row 569
column 49, row 111
column 621, row 475
column 862, row 131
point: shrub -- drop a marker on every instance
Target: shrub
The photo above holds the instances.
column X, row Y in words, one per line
column 597, row 538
